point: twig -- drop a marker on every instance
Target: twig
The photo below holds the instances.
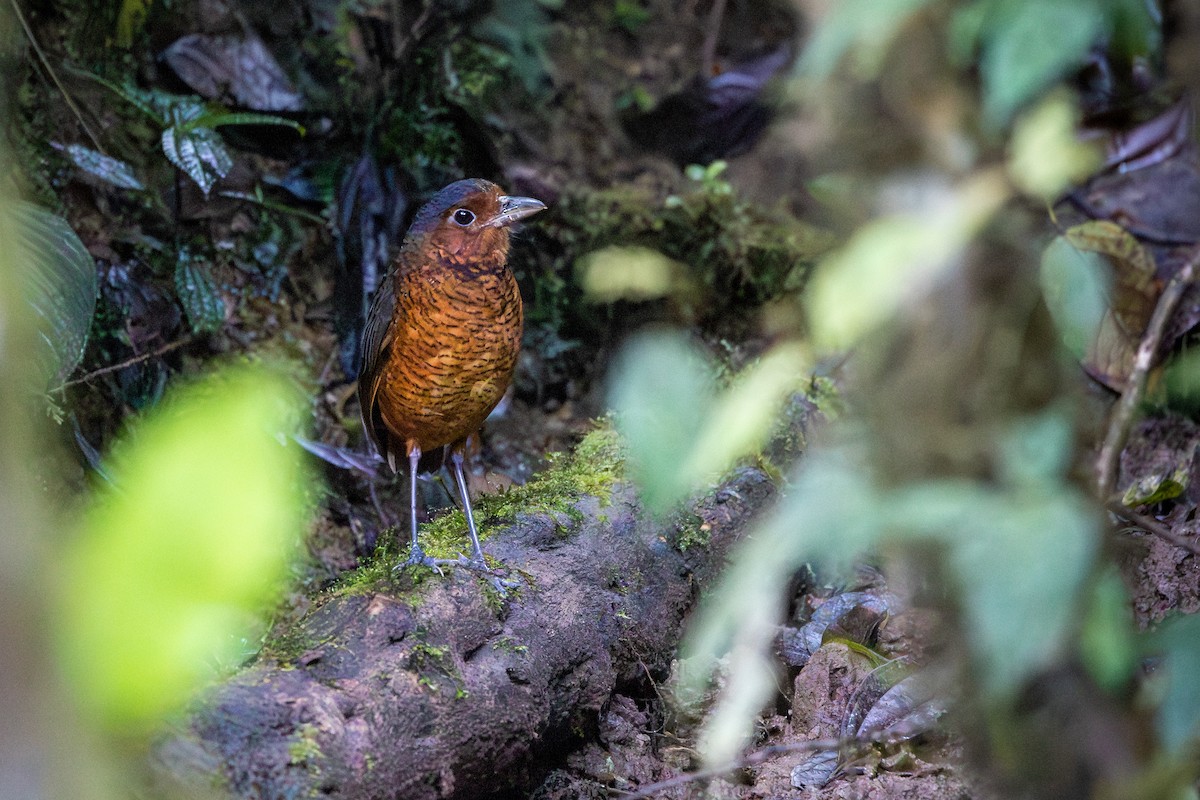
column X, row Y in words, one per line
column 708, row 51
column 54, row 75
column 129, row 362
column 1121, row 422
column 758, row 757
column 1153, row 526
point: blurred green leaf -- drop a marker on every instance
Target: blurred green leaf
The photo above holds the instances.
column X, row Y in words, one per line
column 1182, row 378
column 629, row 273
column 829, row 516
column 1107, row 645
column 1045, row 154
column 892, row 261
column 62, row 286
column 742, row 417
column 1020, row 559
column 1178, row 641
column 1036, row 449
column 173, row 562
column 1075, row 284
column 661, row 389
column 199, row 295
column 681, row 435
column 1026, row 46
column 862, row 28
column 1018, row 553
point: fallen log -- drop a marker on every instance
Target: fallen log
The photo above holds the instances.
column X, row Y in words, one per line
column 444, row 690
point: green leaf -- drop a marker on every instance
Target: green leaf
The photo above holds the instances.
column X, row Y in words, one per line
column 199, row 153
column 894, row 260
column 1179, row 715
column 1019, row 558
column 61, row 287
column 1029, row 45
column 1107, row 645
column 198, row 294
column 741, row 418
column 108, row 169
column 829, row 515
column 1046, row 155
column 175, row 562
column 217, row 118
column 1076, row 285
column 629, row 272
column 660, row 389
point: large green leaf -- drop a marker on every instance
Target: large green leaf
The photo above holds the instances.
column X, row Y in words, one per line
column 661, row 389
column 61, row 285
column 1178, row 641
column 1075, row 284
column 1028, row 45
column 177, row 558
column 893, row 260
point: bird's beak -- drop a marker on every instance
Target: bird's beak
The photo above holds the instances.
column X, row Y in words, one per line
column 515, row 208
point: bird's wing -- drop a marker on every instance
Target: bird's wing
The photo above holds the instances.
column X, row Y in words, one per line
column 377, row 336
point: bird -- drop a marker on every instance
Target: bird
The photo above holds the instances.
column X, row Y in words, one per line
column 441, row 340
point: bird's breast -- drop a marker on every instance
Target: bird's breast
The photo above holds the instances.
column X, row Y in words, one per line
column 453, row 354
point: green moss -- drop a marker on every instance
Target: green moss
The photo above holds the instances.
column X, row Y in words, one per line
column 303, row 749
column 692, row 532
column 589, row 470
column 433, row 663
column 736, row 252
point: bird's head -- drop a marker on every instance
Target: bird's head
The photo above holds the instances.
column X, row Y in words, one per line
column 467, row 222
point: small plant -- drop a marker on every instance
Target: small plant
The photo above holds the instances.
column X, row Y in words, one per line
column 189, row 137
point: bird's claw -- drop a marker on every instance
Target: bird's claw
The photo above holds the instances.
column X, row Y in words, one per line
column 418, row 558
column 495, row 578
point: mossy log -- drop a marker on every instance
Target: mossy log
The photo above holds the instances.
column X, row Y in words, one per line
column 444, row 690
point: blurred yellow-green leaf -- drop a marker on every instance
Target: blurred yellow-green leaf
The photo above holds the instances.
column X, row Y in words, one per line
column 894, row 260
column 1045, row 154
column 861, row 29
column 742, row 417
column 175, row 561
column 629, row 273
column 681, row 435
column 661, row 390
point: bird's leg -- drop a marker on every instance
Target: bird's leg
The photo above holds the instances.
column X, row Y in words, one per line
column 460, row 479
column 415, row 554
column 477, row 563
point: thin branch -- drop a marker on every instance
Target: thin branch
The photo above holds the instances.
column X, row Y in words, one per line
column 129, row 362
column 1121, row 422
column 54, row 75
column 758, row 757
column 1153, row 526
column 708, row 51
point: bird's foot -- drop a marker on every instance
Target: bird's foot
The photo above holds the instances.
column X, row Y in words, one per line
column 418, row 558
column 494, row 577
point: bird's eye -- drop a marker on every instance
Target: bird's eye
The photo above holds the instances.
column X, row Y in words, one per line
column 463, row 217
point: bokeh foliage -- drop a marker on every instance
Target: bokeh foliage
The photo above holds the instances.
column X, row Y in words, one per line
column 961, row 449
